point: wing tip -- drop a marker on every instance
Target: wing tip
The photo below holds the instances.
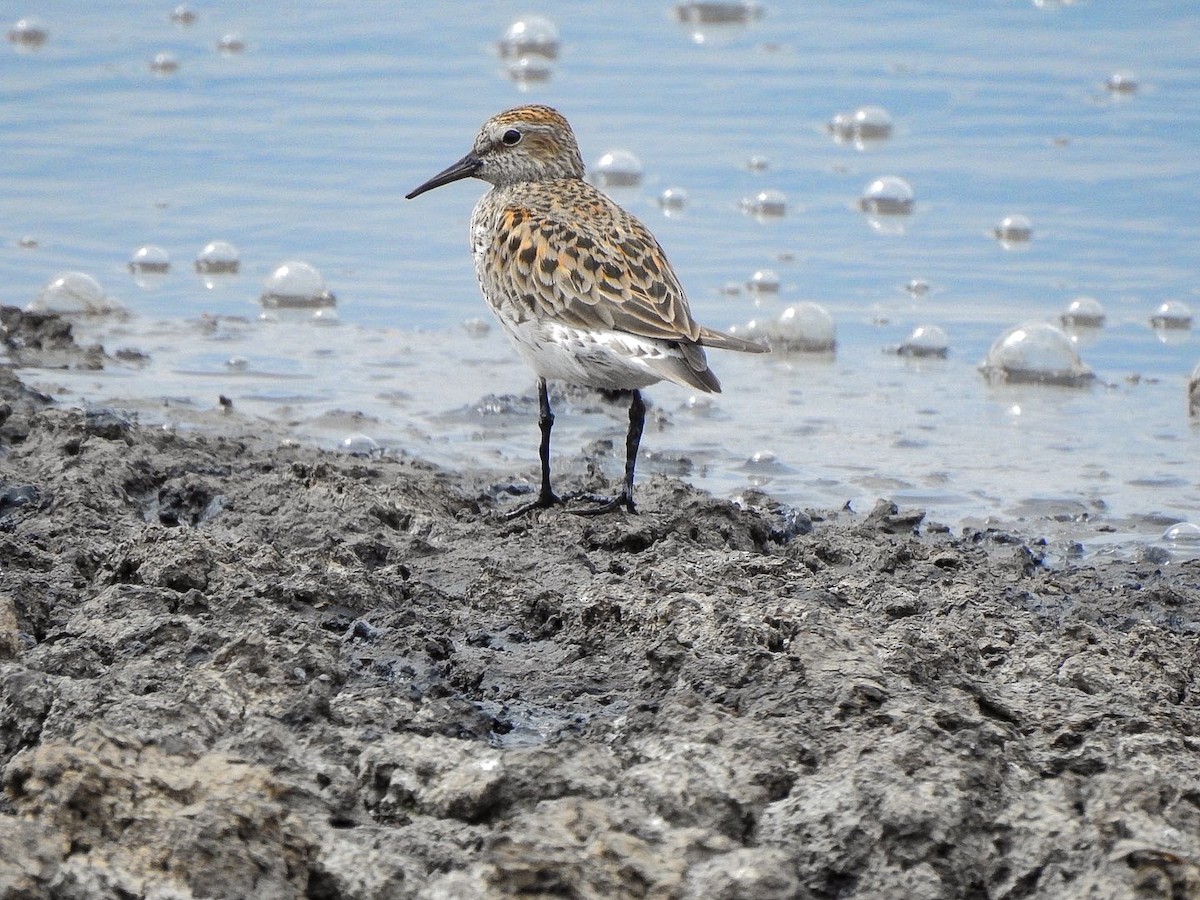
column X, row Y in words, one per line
column 719, row 340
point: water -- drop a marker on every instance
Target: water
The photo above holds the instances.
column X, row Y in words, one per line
column 302, row 145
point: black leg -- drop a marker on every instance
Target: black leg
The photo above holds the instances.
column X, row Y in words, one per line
column 546, row 496
column 633, row 440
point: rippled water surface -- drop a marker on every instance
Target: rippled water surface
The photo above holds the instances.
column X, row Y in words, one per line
column 1081, row 117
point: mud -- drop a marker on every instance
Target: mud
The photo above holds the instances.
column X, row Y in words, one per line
column 232, row 666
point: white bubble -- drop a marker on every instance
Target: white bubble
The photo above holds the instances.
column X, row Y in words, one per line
column 1014, row 229
column 219, row 257
column 164, row 64
column 1182, row 533
column 711, row 21
column 528, row 70
column 917, row 287
column 872, row 123
column 530, row 35
column 1174, row 314
column 183, row 15
column 476, row 327
column 865, row 127
column 149, row 258
column 149, row 266
column 889, row 195
column 231, row 43
column 804, row 328
column 1083, row 312
column 673, row 200
column 767, row 204
column 764, row 281
column 295, row 285
column 715, row 12
column 924, row 341
column 359, row 445
column 1036, row 352
column 1122, row 83
column 754, row 330
column 618, row 168
column 29, row 32
column 763, row 466
column 758, row 164
column 74, row 293
column 237, row 364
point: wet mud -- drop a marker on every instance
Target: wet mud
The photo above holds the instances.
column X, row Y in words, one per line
column 233, row 666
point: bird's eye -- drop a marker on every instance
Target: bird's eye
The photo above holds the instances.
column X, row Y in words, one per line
column 511, row 138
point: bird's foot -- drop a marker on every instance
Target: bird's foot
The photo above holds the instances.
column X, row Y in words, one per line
column 544, row 500
column 623, row 500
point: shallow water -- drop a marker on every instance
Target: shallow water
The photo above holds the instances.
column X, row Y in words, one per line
column 302, row 146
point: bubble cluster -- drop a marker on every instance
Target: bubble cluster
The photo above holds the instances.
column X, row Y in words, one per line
column 1037, row 353
column 617, row 168
column 295, row 285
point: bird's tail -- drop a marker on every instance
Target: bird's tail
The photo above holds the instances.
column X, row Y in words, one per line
column 719, row 340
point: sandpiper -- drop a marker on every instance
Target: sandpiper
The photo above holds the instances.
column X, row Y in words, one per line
column 580, row 286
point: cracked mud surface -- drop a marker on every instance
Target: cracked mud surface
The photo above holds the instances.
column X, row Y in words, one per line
column 231, row 667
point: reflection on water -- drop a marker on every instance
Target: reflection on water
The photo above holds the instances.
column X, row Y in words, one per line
column 292, row 131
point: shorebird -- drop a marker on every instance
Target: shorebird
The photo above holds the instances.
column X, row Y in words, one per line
column 581, row 287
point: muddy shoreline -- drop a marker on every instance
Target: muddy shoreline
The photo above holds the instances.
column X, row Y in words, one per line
column 232, row 666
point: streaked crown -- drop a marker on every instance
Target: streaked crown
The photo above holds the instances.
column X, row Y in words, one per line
column 527, row 143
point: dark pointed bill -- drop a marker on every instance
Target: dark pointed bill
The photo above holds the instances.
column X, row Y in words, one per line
column 464, row 168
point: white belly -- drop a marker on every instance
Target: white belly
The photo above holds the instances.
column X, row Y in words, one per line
column 603, row 359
